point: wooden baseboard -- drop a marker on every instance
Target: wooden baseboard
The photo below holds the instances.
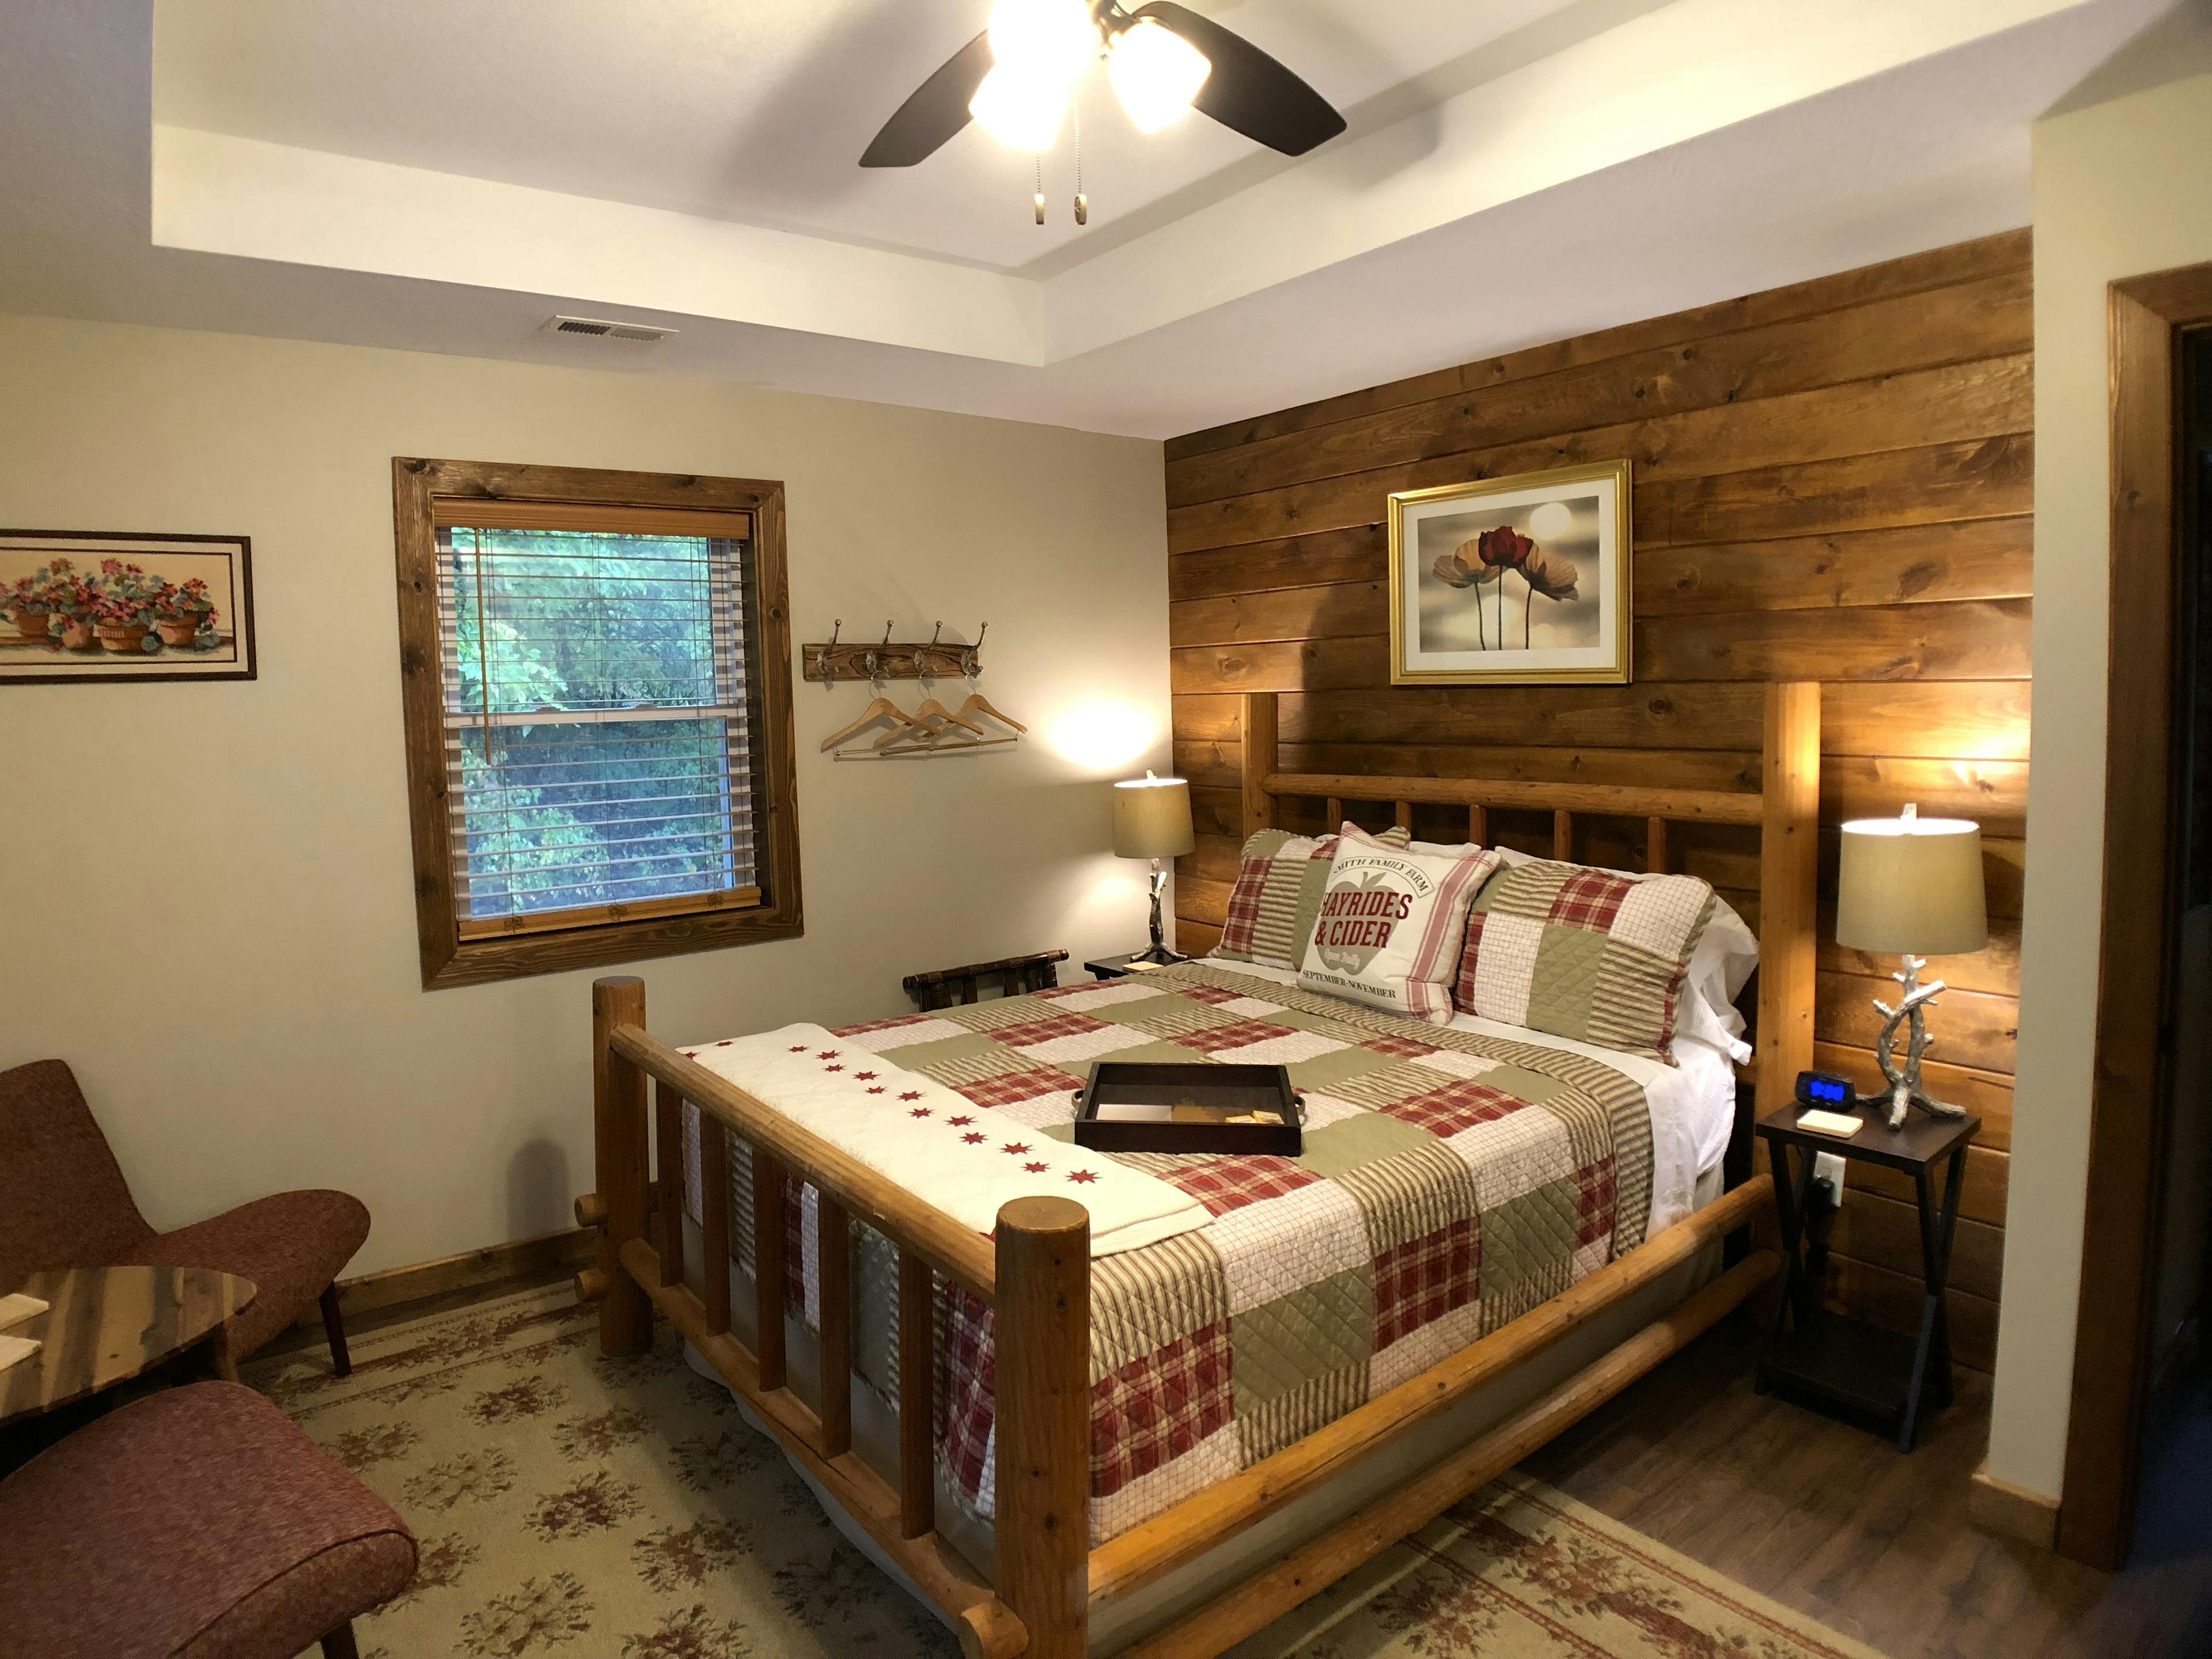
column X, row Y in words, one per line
column 2011, row 1511
column 547, row 1257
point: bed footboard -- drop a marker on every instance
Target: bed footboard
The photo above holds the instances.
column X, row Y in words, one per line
column 1035, row 1275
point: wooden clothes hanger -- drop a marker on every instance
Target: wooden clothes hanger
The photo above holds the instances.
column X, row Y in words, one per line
column 881, row 708
column 977, row 703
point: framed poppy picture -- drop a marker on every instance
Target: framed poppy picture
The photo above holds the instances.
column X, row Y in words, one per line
column 1519, row 581
column 78, row 604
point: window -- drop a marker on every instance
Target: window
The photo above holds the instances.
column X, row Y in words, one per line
column 597, row 672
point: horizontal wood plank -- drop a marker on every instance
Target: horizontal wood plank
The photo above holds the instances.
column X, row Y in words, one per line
column 1874, row 452
column 1884, row 1233
column 1805, row 389
column 1980, row 478
column 1844, row 292
column 1982, row 1198
column 1911, row 564
column 1894, row 1299
column 1953, row 719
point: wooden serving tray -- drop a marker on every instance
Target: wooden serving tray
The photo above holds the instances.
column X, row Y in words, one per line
column 1191, row 1106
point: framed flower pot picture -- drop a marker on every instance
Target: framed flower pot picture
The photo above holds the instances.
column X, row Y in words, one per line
column 79, row 605
column 1519, row 581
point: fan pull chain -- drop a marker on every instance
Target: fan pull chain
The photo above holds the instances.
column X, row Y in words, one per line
column 1082, row 201
column 1040, row 190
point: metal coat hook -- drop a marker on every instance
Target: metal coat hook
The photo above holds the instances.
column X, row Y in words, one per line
column 837, row 628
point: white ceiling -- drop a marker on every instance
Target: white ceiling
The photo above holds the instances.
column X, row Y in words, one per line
column 442, row 174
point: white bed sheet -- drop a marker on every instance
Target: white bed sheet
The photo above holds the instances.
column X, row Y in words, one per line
column 1693, row 1102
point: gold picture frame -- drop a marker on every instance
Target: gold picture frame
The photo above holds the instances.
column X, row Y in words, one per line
column 1559, row 543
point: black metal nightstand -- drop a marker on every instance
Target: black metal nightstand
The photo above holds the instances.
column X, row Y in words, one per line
column 1870, row 1371
column 1119, row 967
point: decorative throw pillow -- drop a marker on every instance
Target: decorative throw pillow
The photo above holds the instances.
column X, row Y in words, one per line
column 1583, row 953
column 1277, row 897
column 1389, row 926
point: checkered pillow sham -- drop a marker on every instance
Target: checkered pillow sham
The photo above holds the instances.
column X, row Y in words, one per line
column 1583, row 953
column 1277, row 899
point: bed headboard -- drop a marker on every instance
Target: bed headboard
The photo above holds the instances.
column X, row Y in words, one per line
column 1785, row 807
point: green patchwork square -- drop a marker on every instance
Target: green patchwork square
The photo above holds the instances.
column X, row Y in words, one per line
column 1350, row 1142
column 1564, row 989
column 1162, row 1014
column 1282, row 1344
column 1525, row 1084
column 1330, row 1072
column 927, row 1057
column 1527, row 1249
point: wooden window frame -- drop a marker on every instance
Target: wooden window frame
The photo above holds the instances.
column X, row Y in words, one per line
column 425, row 493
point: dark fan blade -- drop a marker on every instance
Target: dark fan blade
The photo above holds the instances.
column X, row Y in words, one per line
column 1249, row 92
column 938, row 109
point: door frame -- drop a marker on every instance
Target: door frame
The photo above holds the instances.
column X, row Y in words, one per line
column 2130, row 1107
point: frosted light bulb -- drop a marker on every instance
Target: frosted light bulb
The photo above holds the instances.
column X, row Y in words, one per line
column 1019, row 110
column 1052, row 39
column 1156, row 73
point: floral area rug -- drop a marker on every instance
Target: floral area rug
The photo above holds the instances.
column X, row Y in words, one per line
column 1521, row 1571
column 621, row 1508
column 583, row 1507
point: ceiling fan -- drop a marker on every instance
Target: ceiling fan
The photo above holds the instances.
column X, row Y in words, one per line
column 1015, row 79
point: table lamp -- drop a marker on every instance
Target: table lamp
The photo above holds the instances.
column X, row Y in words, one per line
column 1151, row 820
column 1912, row 885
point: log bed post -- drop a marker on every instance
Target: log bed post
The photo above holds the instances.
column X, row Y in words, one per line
column 1260, row 762
column 1043, row 1374
column 1789, row 858
column 623, row 1170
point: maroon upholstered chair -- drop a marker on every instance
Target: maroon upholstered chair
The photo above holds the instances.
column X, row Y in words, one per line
column 63, row 1204
column 197, row 1522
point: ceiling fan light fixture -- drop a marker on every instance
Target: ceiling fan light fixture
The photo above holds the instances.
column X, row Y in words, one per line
column 1156, row 73
column 1053, row 40
column 1021, row 112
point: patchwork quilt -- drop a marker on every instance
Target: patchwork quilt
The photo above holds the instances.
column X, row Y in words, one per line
column 1450, row 1182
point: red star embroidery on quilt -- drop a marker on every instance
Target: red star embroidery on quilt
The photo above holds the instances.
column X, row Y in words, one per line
column 1036, row 1169
column 865, row 1077
column 973, row 1136
column 1083, row 1177
column 959, row 1122
column 833, row 1068
column 1015, row 1148
column 911, row 1094
column 919, row 1112
column 827, row 1054
column 726, row 1043
column 877, row 1090
column 798, row 1047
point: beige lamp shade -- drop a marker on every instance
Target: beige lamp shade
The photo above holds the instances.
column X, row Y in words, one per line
column 1151, row 818
column 1912, row 886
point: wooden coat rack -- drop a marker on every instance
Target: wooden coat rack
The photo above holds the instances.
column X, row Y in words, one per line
column 893, row 659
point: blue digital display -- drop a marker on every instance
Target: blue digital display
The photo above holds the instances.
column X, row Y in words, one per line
column 1823, row 1090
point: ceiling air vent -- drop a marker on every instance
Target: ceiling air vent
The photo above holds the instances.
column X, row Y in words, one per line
column 600, row 328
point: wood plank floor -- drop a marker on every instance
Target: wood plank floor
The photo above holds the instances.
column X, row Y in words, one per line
column 1828, row 1519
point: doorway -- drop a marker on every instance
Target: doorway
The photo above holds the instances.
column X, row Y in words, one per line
column 2139, row 1440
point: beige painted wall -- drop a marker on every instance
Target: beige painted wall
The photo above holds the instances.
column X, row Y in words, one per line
column 209, row 908
column 2123, row 185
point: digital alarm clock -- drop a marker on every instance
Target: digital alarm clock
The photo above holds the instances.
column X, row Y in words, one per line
column 1826, row 1090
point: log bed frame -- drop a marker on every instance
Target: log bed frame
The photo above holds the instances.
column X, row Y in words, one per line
column 1035, row 1272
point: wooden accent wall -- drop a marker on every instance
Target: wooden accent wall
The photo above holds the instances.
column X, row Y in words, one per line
column 1832, row 483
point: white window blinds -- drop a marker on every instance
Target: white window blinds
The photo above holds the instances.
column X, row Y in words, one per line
column 597, row 739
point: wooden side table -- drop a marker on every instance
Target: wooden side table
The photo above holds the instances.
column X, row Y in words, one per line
column 1119, row 967
column 1868, row 1370
column 107, row 1325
